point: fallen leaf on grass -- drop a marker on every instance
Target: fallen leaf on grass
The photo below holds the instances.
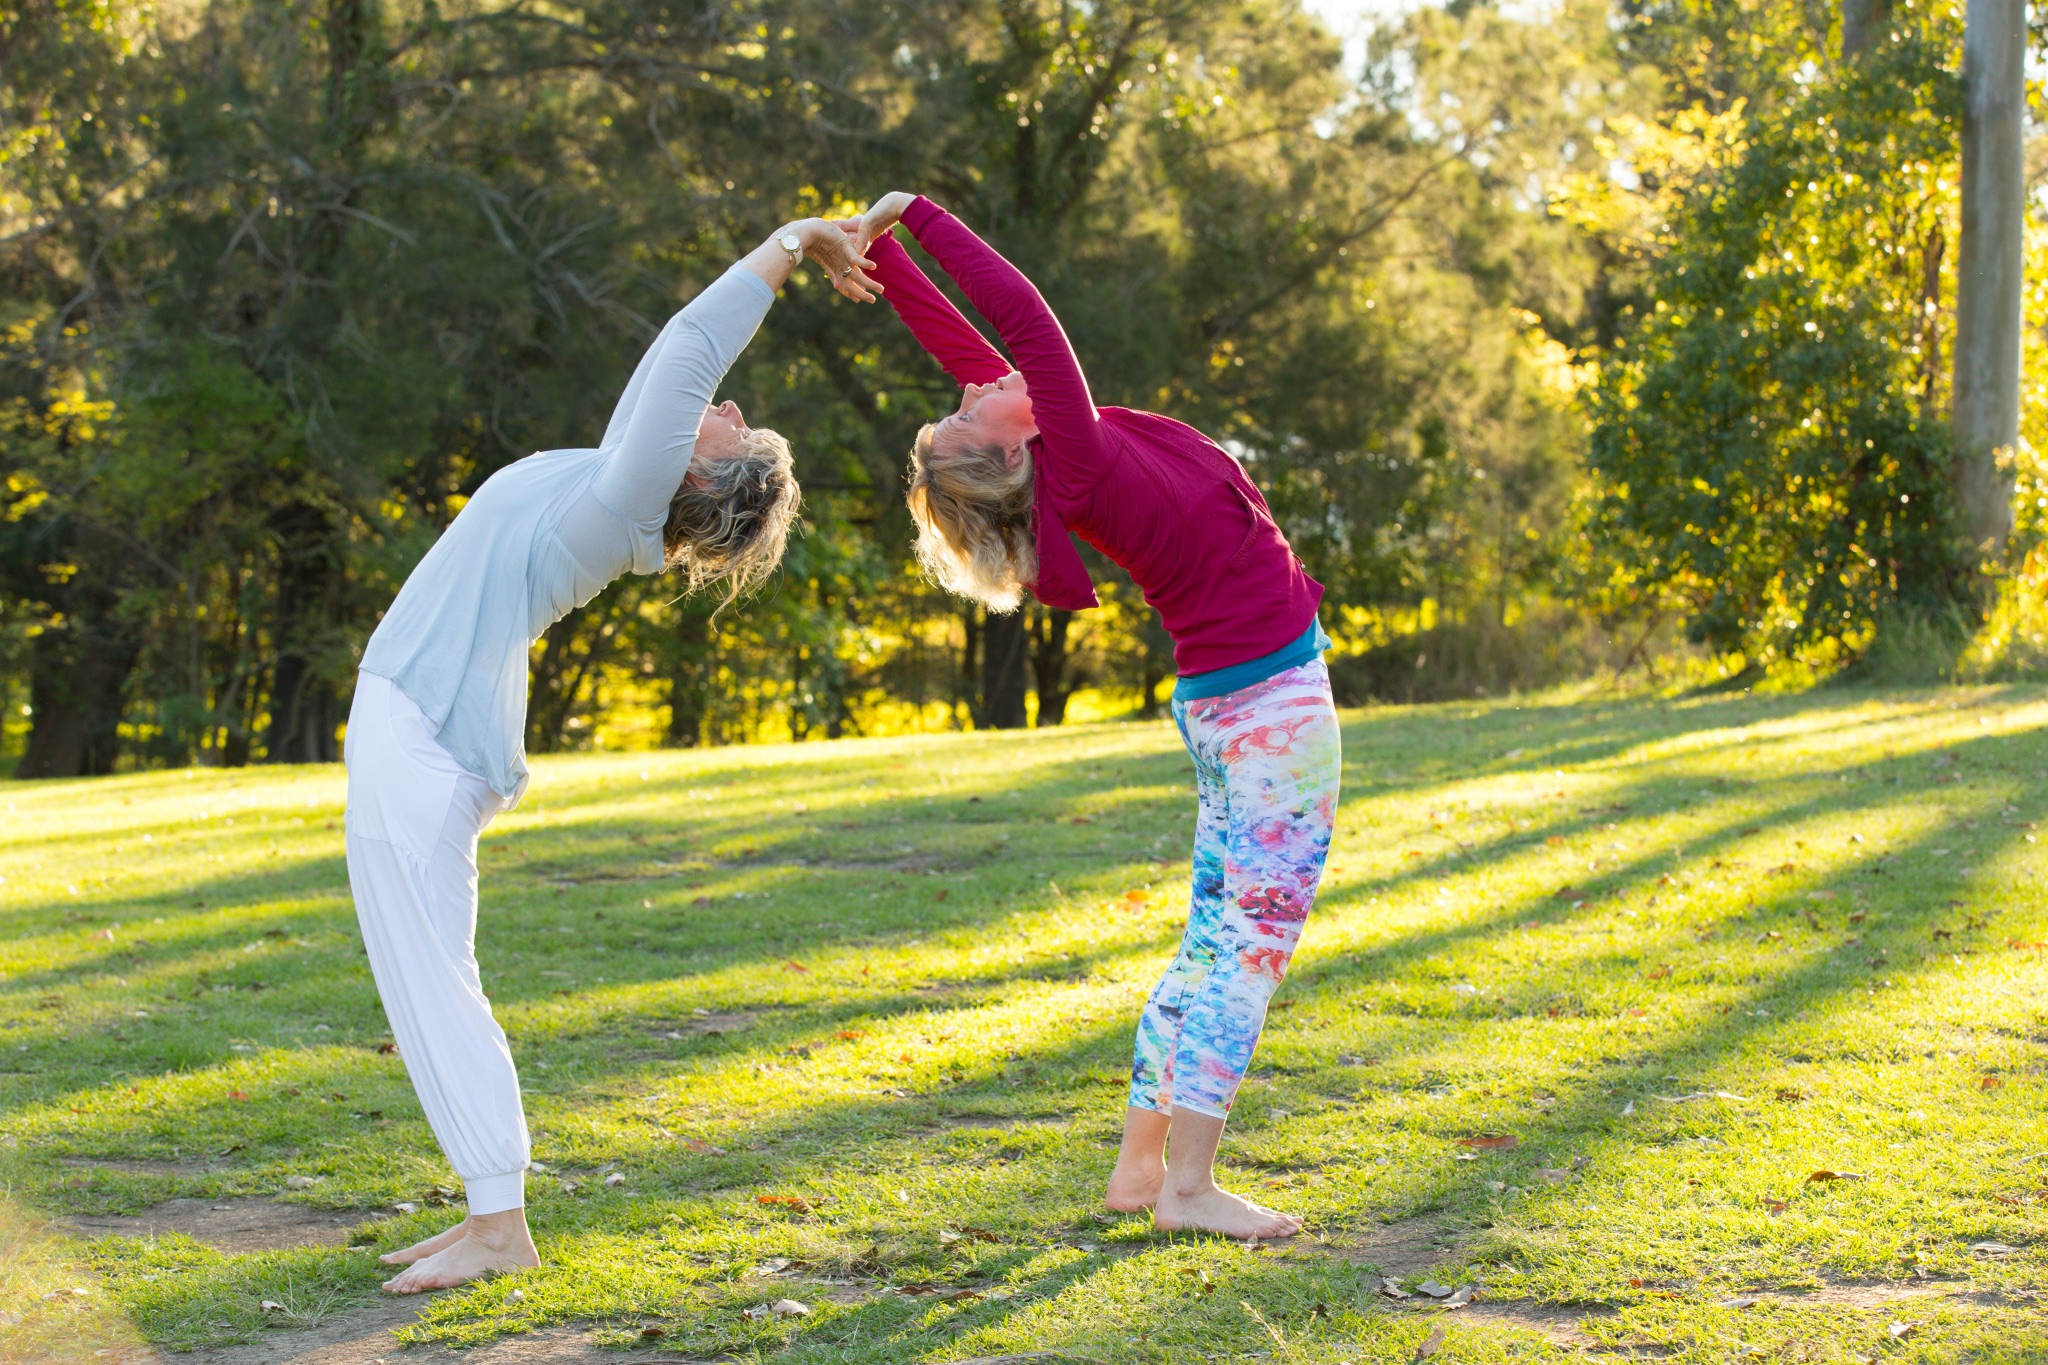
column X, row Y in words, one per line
column 1466, row 1293
column 1208, row 1285
column 774, row 1265
column 1777, row 1206
column 1429, row 1345
column 1992, row 1248
column 1391, row 1287
column 1746, row 1301
column 653, row 1333
column 851, row 1035
column 405, row 1206
column 792, row 1201
column 272, row 1306
column 302, row 1182
column 781, row 1308
column 1490, row 1142
column 794, row 966
column 1899, row 1331
column 1660, row 971
column 1990, row 1082
column 614, row 1180
column 699, row 1145
column 1435, row 1290
column 1787, row 1095
column 1825, row 1177
column 1553, row 1175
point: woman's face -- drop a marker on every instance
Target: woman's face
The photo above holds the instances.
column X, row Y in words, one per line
column 720, row 433
column 997, row 414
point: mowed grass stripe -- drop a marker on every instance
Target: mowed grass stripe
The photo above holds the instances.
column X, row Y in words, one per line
column 1686, row 952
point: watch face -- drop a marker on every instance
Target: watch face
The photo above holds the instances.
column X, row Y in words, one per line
column 791, row 242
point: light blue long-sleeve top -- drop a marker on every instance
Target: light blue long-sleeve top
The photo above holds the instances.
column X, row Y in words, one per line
column 545, row 533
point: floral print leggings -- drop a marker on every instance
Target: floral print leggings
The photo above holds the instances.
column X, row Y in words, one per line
column 1267, row 759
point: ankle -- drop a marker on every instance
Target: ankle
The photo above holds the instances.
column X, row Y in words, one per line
column 1190, row 1185
column 499, row 1231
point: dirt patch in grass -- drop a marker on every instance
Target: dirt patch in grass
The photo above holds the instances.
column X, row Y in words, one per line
column 1559, row 1325
column 363, row 1336
column 145, row 1166
column 1408, row 1247
column 713, row 1025
column 984, row 1120
column 234, row 1226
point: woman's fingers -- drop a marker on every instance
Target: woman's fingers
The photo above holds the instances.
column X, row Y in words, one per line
column 848, row 269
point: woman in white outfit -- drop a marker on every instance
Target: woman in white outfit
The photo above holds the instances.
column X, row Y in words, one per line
column 434, row 745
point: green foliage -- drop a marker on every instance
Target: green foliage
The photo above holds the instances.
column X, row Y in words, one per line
column 315, row 270
column 1769, row 445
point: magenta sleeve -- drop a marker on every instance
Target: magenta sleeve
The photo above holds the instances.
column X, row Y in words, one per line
column 1060, row 402
column 931, row 317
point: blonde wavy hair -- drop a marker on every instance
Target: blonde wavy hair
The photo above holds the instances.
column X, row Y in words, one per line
column 973, row 514
column 728, row 523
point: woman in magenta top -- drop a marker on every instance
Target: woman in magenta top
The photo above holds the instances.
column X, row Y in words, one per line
column 995, row 488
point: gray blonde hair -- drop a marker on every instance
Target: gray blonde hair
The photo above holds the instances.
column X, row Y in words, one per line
column 728, row 523
column 973, row 514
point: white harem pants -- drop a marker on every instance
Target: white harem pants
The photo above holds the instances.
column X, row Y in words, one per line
column 414, row 814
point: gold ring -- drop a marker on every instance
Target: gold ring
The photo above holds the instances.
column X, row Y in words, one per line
column 844, row 271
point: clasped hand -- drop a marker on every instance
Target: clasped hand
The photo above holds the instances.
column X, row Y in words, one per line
column 840, row 248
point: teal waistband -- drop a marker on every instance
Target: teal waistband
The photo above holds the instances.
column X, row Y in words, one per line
column 1219, row 682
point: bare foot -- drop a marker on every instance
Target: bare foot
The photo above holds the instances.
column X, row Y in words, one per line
column 419, row 1251
column 481, row 1250
column 1134, row 1187
column 1214, row 1210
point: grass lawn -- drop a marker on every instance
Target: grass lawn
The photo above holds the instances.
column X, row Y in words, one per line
column 851, row 1024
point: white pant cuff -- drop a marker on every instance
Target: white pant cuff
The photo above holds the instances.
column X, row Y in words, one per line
column 496, row 1193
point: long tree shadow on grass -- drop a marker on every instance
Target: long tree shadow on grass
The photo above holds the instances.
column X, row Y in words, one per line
column 1060, row 781
column 1718, row 1039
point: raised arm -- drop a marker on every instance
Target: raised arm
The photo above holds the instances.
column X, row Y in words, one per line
column 932, row 318
column 652, row 435
column 1060, row 401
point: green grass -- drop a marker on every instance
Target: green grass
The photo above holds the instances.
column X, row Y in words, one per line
column 922, row 960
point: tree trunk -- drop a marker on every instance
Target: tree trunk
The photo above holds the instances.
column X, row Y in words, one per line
column 1049, row 663
column 689, row 676
column 1862, row 21
column 1003, row 660
column 966, row 688
column 305, row 708
column 78, row 673
column 1988, row 271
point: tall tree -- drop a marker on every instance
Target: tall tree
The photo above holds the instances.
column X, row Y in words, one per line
column 1989, row 274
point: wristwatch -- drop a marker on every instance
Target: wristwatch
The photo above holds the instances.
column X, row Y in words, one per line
column 793, row 244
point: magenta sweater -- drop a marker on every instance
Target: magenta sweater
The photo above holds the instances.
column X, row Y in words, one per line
column 1155, row 495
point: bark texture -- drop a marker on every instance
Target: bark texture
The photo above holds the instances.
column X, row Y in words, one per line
column 1005, row 655
column 1988, row 270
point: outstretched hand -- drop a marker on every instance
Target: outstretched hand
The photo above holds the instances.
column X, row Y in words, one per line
column 880, row 217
